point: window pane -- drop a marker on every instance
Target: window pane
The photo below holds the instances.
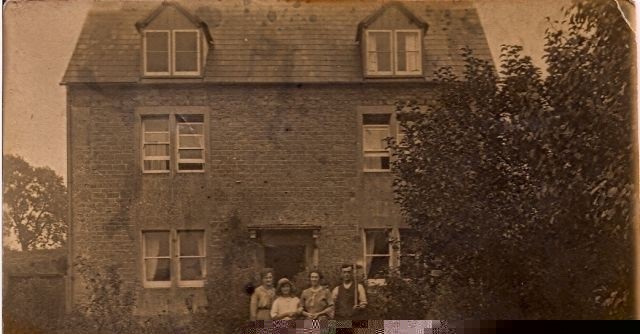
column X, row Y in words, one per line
column 376, row 119
column 186, row 40
column 191, row 243
column 156, row 244
column 374, row 138
column 157, row 269
column 190, row 118
column 377, row 266
column 190, row 154
column 191, row 141
column 156, row 124
column 407, row 41
column 413, row 61
column 381, row 41
column 190, row 166
column 156, row 150
column 157, row 41
column 377, row 242
column 377, row 163
column 156, row 165
column 186, row 61
column 157, row 61
column 407, row 48
column 384, row 61
column 191, row 128
column 191, row 269
column 379, row 51
column 402, row 62
column 162, row 137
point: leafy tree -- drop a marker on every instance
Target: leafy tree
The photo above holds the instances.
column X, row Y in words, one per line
column 522, row 185
column 34, row 204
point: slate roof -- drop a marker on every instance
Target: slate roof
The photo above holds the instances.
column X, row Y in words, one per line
column 267, row 41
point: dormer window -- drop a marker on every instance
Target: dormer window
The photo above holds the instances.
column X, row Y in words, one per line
column 172, row 52
column 391, row 42
column 394, row 52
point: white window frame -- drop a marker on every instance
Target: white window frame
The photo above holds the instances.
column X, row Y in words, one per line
column 365, row 255
column 178, row 148
column 393, row 36
column 143, row 142
column 156, row 284
column 395, row 254
column 174, row 260
column 375, row 153
column 191, row 283
column 144, row 53
column 394, row 132
column 391, row 51
column 172, row 113
column 395, row 52
column 173, row 53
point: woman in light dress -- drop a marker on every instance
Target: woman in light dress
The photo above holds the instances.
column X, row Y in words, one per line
column 316, row 301
column 262, row 298
column 287, row 305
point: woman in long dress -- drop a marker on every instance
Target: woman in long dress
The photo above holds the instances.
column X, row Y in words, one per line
column 287, row 305
column 316, row 301
column 262, row 298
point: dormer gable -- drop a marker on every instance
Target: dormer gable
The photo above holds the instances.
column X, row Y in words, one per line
column 174, row 42
column 391, row 41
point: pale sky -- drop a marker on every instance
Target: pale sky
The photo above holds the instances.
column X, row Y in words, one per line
column 39, row 37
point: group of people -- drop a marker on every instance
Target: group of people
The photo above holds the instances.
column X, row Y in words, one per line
column 346, row 301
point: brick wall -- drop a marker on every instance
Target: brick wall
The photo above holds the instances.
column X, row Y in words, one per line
column 275, row 154
column 34, row 285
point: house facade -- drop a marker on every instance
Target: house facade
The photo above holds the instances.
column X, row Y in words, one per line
column 184, row 115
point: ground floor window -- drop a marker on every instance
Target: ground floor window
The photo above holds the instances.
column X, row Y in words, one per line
column 173, row 257
column 387, row 249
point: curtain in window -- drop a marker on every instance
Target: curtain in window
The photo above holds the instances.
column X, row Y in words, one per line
column 152, row 246
column 411, row 43
column 371, row 242
column 377, row 248
column 372, row 57
column 192, row 255
column 186, row 51
column 201, row 253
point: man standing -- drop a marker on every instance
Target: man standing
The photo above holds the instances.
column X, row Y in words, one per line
column 349, row 304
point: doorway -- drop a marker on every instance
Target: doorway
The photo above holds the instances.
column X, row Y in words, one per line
column 288, row 252
column 286, row 261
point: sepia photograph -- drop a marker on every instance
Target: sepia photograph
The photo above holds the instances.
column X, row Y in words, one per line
column 318, row 166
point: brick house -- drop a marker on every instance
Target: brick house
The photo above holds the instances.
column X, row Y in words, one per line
column 182, row 115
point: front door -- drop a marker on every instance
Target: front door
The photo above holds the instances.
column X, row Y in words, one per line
column 287, row 251
column 286, row 260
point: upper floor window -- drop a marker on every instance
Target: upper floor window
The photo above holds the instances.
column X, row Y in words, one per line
column 377, row 129
column 172, row 52
column 190, row 131
column 188, row 153
column 394, row 52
